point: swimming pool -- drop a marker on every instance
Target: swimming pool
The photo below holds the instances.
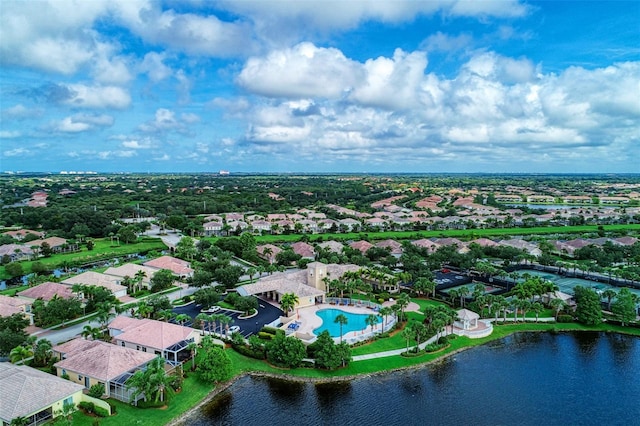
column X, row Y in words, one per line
column 355, row 322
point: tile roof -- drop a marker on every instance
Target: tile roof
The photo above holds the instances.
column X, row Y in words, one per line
column 175, row 265
column 103, row 361
column 130, row 270
column 152, row 333
column 25, row 390
column 11, row 305
column 47, row 291
column 95, row 278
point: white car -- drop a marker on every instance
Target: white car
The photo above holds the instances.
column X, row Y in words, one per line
column 211, row 310
column 234, row 329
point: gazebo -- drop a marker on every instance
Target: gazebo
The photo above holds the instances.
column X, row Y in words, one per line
column 467, row 320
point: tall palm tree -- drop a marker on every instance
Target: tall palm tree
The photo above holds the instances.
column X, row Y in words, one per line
column 140, row 276
column 341, row 320
column 94, row 333
column 203, row 319
column 609, row 294
column 371, row 320
column 152, row 382
column 384, row 312
column 403, row 301
column 192, row 347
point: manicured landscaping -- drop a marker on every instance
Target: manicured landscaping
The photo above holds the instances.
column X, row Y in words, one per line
column 103, row 249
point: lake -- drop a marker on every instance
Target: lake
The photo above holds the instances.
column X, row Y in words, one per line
column 524, row 379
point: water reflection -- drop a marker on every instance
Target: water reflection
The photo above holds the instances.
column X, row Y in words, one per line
column 553, row 379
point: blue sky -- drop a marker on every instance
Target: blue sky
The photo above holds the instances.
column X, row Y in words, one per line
column 320, row 86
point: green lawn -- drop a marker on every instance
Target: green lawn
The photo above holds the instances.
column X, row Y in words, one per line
column 192, row 393
column 458, row 233
column 103, row 250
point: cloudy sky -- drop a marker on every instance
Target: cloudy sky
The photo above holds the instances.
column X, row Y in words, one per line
column 320, row 86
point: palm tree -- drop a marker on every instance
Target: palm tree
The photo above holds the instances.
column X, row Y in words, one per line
column 42, row 352
column 537, row 308
column 203, row 319
column 19, row 354
column 371, row 320
column 341, row 320
column 140, row 276
column 224, row 323
column 182, row 318
column 609, row 294
column 557, row 305
column 463, row 292
column 192, row 347
column 91, row 332
column 152, row 382
column 407, row 335
column 403, row 301
column 384, row 312
column 128, row 282
column 288, row 302
column 166, row 314
column 251, row 272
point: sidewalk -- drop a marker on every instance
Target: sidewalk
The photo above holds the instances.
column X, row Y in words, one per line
column 396, row 352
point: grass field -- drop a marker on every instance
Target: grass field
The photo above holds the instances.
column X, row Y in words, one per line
column 104, row 249
column 457, row 233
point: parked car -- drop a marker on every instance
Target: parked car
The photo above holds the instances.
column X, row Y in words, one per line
column 234, row 329
column 210, row 310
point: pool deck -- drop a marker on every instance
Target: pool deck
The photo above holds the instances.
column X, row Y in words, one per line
column 309, row 320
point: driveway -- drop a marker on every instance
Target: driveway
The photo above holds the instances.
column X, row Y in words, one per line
column 267, row 313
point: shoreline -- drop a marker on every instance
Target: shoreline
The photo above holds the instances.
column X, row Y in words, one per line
column 180, row 420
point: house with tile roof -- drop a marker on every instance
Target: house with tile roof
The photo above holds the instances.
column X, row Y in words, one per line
column 160, row 338
column 16, row 252
column 393, row 246
column 110, row 282
column 33, row 394
column 130, row 270
column 426, row 243
column 362, row 246
column 47, row 291
column 268, row 252
column 180, row 268
column 19, row 234
column 332, row 246
column 15, row 305
column 91, row 362
column 304, row 249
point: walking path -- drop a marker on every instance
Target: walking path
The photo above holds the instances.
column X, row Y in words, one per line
column 397, row 352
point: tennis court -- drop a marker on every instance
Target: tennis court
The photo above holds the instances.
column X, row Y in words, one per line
column 566, row 284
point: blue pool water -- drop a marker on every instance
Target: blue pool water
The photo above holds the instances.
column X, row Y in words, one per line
column 356, row 322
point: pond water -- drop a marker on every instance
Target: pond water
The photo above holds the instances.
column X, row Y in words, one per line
column 524, row 379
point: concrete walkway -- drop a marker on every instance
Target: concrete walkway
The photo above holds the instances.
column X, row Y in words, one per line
column 397, row 352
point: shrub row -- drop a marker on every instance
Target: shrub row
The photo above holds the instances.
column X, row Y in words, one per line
column 90, row 407
column 247, row 351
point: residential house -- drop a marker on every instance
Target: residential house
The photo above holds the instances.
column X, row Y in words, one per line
column 161, row 338
column 16, row 252
column 90, row 278
column 332, row 246
column 47, row 291
column 426, row 243
column 180, row 268
column 393, row 246
column 304, row 249
column 21, row 233
column 92, row 362
column 212, row 228
column 268, row 252
column 261, row 225
column 362, row 246
column 33, row 394
column 349, row 223
column 130, row 270
column 15, row 305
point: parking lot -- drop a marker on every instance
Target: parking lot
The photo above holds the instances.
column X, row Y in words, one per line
column 267, row 313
